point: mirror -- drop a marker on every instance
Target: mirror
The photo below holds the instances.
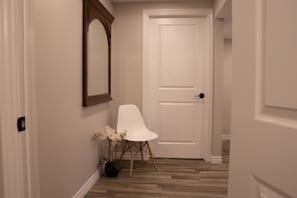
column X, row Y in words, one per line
column 96, row 53
column 97, row 59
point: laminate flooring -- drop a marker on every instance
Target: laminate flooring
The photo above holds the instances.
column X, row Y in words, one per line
column 174, row 178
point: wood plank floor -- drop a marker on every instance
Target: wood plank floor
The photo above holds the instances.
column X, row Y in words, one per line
column 174, row 178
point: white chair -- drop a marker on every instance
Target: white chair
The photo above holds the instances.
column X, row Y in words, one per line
column 130, row 119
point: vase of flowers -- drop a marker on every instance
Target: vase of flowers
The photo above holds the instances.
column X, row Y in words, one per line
column 112, row 166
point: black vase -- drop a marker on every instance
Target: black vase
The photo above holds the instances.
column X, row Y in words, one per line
column 111, row 169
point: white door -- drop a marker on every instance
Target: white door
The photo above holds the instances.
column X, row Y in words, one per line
column 179, row 78
column 264, row 109
column 15, row 90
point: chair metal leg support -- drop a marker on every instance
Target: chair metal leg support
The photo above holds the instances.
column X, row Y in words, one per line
column 132, row 157
column 151, row 154
column 140, row 148
column 123, row 151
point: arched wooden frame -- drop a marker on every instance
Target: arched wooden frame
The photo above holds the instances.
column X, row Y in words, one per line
column 93, row 9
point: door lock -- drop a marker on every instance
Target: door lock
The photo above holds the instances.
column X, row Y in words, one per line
column 199, row 96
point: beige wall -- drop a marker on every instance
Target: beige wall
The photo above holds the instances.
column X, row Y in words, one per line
column 67, row 156
column 127, row 58
column 108, row 5
column 227, row 86
column 218, row 86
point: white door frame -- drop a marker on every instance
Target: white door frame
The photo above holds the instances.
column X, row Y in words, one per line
column 154, row 13
column 19, row 150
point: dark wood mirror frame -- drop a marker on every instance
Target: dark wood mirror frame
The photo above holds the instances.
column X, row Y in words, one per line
column 93, row 9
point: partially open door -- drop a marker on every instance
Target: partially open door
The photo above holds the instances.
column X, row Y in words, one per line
column 18, row 145
column 264, row 109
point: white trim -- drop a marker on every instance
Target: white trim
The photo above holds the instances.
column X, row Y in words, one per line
column 210, row 88
column 151, row 13
column 87, row 186
column 30, row 97
column 145, row 63
column 216, row 159
column 226, row 137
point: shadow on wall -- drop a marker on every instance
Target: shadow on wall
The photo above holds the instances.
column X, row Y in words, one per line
column 93, row 110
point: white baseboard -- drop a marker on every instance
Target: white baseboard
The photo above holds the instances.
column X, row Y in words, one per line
column 226, row 137
column 87, row 186
column 216, row 159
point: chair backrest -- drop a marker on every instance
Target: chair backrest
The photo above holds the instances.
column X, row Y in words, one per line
column 130, row 119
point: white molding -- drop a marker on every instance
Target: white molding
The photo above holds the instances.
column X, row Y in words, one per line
column 152, row 13
column 87, row 186
column 30, row 103
column 216, row 159
column 226, row 137
column 210, row 88
column 145, row 80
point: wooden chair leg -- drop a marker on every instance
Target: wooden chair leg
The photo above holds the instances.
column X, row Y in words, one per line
column 132, row 157
column 151, row 154
column 140, row 148
column 123, row 151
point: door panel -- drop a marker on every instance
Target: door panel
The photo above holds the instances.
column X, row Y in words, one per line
column 279, row 47
column 184, row 121
column 264, row 114
column 176, row 61
column 176, row 53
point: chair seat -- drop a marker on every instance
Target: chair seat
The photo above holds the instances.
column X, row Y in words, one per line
column 141, row 137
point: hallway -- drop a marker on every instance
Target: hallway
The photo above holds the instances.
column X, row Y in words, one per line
column 175, row 178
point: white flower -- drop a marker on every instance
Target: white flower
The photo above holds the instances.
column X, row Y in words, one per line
column 113, row 136
column 110, row 133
